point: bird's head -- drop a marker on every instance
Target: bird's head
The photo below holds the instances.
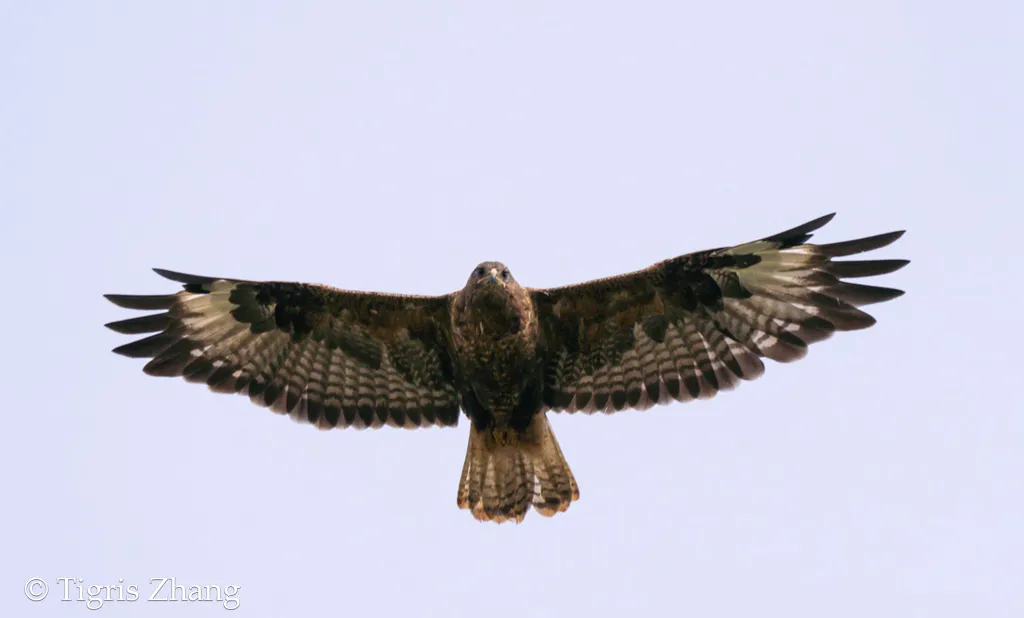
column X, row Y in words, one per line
column 494, row 299
column 492, row 278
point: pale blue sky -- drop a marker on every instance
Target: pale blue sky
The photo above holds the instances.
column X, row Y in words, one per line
column 392, row 148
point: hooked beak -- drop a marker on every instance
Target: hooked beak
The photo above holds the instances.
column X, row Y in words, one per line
column 492, row 277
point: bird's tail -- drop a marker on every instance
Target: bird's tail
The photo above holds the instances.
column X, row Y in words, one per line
column 506, row 472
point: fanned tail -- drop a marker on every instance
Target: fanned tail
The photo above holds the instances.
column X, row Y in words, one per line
column 506, row 472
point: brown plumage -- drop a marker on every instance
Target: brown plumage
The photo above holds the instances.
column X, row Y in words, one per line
column 681, row 329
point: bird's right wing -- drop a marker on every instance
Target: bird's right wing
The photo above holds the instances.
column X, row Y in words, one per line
column 696, row 324
column 329, row 357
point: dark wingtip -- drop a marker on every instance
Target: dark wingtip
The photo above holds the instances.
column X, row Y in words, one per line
column 859, row 295
column 860, row 245
column 893, row 236
column 182, row 277
column 144, row 302
column 866, row 268
column 126, row 350
column 868, row 321
column 151, row 345
column 822, row 220
column 800, row 233
column 195, row 280
column 144, row 324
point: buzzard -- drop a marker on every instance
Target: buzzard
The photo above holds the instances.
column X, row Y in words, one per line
column 505, row 354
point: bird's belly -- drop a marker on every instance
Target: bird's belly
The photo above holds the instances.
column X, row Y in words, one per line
column 494, row 377
column 498, row 383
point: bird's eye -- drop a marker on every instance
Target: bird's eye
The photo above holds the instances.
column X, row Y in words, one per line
column 504, row 275
column 480, row 271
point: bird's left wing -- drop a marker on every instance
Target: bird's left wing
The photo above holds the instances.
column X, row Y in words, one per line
column 329, row 357
column 691, row 326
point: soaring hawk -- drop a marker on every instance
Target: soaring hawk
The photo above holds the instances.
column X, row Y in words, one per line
column 505, row 354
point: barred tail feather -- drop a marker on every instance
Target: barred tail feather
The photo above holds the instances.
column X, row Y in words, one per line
column 503, row 478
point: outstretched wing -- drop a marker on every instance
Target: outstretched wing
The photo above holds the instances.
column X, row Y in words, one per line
column 329, row 357
column 693, row 325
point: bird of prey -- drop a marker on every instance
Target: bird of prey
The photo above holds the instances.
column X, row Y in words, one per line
column 505, row 354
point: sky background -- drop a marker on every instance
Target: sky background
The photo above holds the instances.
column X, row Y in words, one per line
column 392, row 146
